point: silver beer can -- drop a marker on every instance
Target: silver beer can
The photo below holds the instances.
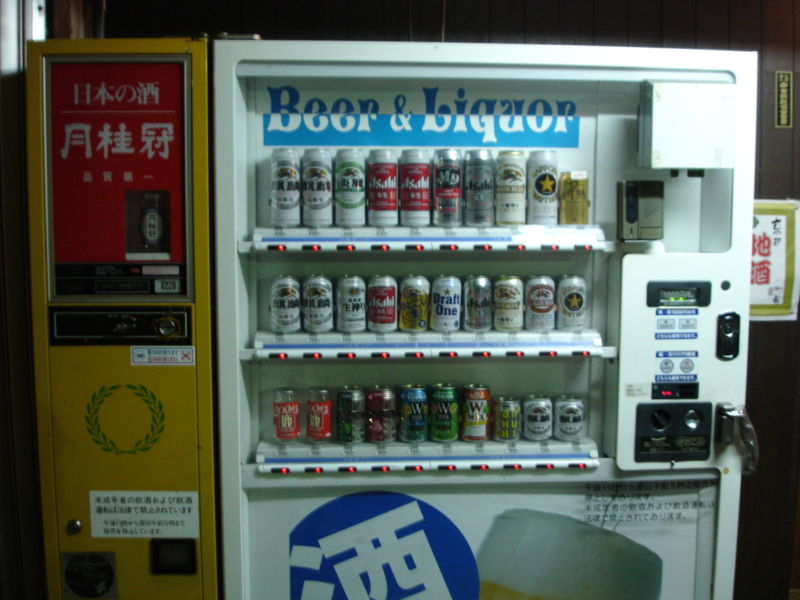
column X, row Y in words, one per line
column 447, row 182
column 382, row 304
column 572, row 303
column 509, row 188
column 285, row 188
column 415, row 188
column 508, row 303
column 478, row 188
column 351, row 304
column 382, row 188
column 284, row 303
column 506, row 422
column 477, row 303
column 317, row 303
column 317, row 188
column 540, row 303
column 568, row 419
column 445, row 311
column 537, row 418
column 350, row 192
column 543, row 187
column 414, row 313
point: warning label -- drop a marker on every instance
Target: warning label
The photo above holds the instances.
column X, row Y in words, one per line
column 161, row 355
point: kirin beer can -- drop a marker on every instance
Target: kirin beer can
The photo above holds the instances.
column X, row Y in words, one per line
column 317, row 302
column 475, row 410
column 509, row 188
column 505, row 419
column 382, row 304
column 447, row 181
column 284, row 303
column 381, row 423
column 382, row 188
column 350, row 188
column 540, row 303
column 415, row 188
column 350, row 415
column 443, row 413
column 351, row 304
column 543, row 188
column 478, row 188
column 286, row 415
column 508, row 303
column 537, row 418
column 477, row 303
column 414, row 303
column 568, row 419
column 572, row 303
column 413, row 413
column 317, row 188
column 285, row 188
column 445, row 308
column 319, row 415
column 573, row 198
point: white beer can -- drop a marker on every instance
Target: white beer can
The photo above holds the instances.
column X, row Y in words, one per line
column 285, row 188
column 509, row 188
column 508, row 301
column 284, row 304
column 351, row 304
column 540, row 303
column 445, row 312
column 537, row 418
column 573, row 304
column 350, row 188
column 543, row 187
column 568, row 419
column 317, row 188
column 317, row 303
column 415, row 188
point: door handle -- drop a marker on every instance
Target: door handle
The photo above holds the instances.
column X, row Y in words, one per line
column 728, row 416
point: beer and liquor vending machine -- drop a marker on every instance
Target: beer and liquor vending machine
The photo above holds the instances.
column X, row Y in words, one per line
column 121, row 302
column 482, row 319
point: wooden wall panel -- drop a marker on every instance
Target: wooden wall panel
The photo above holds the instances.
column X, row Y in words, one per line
column 541, row 17
column 611, row 22
column 644, row 23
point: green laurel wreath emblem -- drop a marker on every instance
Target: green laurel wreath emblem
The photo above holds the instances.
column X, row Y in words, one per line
column 99, row 437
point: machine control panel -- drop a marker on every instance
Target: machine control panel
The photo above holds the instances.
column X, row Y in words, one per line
column 673, row 431
column 120, row 325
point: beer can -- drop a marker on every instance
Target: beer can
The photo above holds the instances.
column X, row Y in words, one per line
column 478, row 188
column 317, row 188
column 319, row 415
column 508, row 305
column 573, row 198
column 350, row 414
column 537, row 418
column 568, row 419
column 382, row 188
column 475, row 420
column 572, row 303
column 445, row 308
column 509, row 188
column 381, row 423
column 284, row 304
column 285, row 188
column 382, row 304
column 286, row 415
column 415, row 188
column 414, row 299
column 543, row 187
column 477, row 303
column 413, row 413
column 317, row 303
column 447, row 181
column 540, row 303
column 443, row 413
column 351, row 304
column 506, row 422
column 350, row 188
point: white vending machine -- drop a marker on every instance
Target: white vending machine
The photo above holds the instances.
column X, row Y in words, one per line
column 482, row 319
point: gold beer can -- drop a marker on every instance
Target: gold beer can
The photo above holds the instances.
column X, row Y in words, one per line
column 573, row 190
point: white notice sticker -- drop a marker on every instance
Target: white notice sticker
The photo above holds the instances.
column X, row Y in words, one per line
column 118, row 514
column 162, row 355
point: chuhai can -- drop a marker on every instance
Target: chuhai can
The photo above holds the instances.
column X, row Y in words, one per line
column 540, row 303
column 317, row 302
column 413, row 413
column 382, row 188
column 350, row 188
column 317, row 188
column 506, row 422
column 447, row 181
column 478, row 188
column 475, row 410
column 285, row 188
column 284, row 302
column 445, row 304
column 351, row 304
column 537, row 418
column 415, row 188
column 543, row 187
column 414, row 299
column 568, row 419
column 350, row 415
column 508, row 303
column 477, row 303
column 509, row 188
column 382, row 304
column 443, row 413
column 381, row 414
column 319, row 415
column 573, row 198
column 572, row 303
column 286, row 415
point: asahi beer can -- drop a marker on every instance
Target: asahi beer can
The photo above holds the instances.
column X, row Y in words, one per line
column 573, row 198
column 284, row 303
column 317, row 188
column 508, row 303
column 415, row 188
column 568, row 419
column 543, row 187
column 537, row 418
column 572, row 303
column 286, row 415
column 350, row 415
column 285, row 193
column 317, row 303
column 413, row 413
column 381, row 425
column 382, row 188
column 443, row 413
column 350, row 192
column 540, row 303
column 506, row 419
column 351, row 304
column 478, row 188
column 319, row 415
column 414, row 303
column 445, row 304
column 447, row 182
column 382, row 304
column 475, row 411
column 509, row 188
column 477, row 303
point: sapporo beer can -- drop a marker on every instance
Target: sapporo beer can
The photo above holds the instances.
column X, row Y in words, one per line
column 350, row 414
column 572, row 303
column 540, row 303
column 415, row 188
column 445, row 304
column 286, row 415
column 477, row 303
column 382, row 188
column 543, row 187
column 319, row 415
column 317, row 188
column 475, row 411
column 537, row 418
column 284, row 303
column 382, row 304
column 447, row 181
column 508, row 303
column 478, row 188
column 350, row 192
column 506, row 422
column 351, row 304
column 317, row 302
column 381, row 423
column 443, row 413
column 414, row 303
column 285, row 188
column 413, row 413
column 568, row 420
column 509, row 188
column 573, row 198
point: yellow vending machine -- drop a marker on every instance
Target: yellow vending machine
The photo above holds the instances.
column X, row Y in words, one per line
column 119, row 250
